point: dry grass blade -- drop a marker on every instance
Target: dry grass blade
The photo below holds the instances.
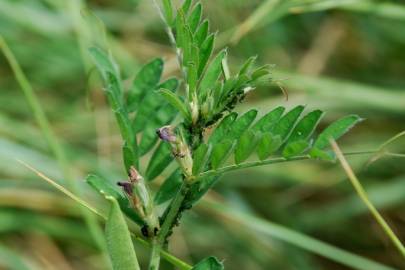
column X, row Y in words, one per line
column 363, row 196
column 62, row 189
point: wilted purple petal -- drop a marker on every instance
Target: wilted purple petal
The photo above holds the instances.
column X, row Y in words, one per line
column 166, row 134
column 126, row 186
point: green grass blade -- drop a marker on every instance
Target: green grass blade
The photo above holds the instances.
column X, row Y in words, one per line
column 12, row 260
column 49, row 135
column 119, row 243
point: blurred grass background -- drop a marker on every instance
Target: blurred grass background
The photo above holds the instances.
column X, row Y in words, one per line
column 341, row 56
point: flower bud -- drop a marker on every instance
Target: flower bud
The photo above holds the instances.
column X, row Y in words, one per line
column 137, row 192
column 194, row 112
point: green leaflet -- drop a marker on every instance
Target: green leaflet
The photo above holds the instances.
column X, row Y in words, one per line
column 12, row 260
column 295, row 148
column 168, row 11
column 322, row 154
column 151, row 103
column 125, row 126
column 195, row 18
column 110, row 73
column 169, row 187
column 129, row 157
column 268, row 145
column 206, row 50
column 176, row 102
column 260, row 72
column 202, row 33
column 200, row 188
column 336, row 130
column 287, row 122
column 246, row 146
column 210, row 263
column 105, row 64
column 105, row 188
column 220, row 153
column 212, row 74
column 201, row 157
column 269, row 120
column 161, row 158
column 186, row 6
column 223, row 128
column 119, row 242
column 241, row 124
column 306, row 126
column 113, row 91
column 192, row 71
column 146, row 80
column 247, row 66
column 162, row 117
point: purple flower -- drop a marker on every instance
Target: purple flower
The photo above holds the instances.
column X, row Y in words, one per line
column 166, row 133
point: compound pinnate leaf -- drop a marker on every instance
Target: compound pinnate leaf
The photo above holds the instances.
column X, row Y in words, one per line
column 119, row 243
column 146, row 80
column 210, row 263
column 169, row 187
column 336, row 130
column 267, row 145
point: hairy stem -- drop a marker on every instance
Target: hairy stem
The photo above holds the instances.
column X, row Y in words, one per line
column 170, row 220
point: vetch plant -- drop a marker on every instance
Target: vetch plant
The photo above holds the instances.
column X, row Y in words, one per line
column 191, row 122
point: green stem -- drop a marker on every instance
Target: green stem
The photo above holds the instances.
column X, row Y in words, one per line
column 173, row 213
column 268, row 162
column 155, row 255
column 168, row 223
